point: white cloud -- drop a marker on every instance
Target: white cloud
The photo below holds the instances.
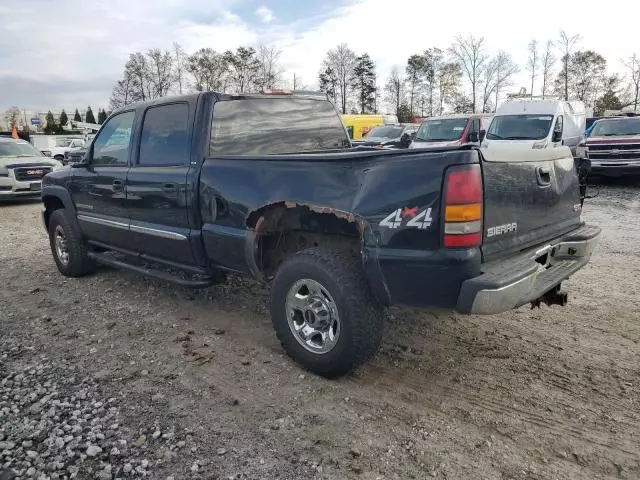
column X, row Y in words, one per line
column 87, row 43
column 264, row 14
column 391, row 32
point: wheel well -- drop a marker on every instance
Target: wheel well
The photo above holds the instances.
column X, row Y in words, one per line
column 51, row 204
column 285, row 228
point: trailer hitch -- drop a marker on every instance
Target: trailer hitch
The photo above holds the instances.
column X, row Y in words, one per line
column 553, row 297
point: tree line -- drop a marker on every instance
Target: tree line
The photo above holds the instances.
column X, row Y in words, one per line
column 464, row 77
column 53, row 127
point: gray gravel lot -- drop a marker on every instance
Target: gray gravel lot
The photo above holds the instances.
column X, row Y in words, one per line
column 118, row 376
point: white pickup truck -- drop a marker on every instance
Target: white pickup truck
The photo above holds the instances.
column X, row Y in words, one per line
column 64, row 145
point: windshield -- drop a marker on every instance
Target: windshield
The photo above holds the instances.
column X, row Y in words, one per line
column 613, row 128
column 63, row 142
column 18, row 149
column 520, row 127
column 272, row 126
column 385, row 131
column 445, row 130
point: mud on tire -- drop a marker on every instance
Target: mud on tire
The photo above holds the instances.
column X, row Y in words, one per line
column 343, row 285
column 76, row 263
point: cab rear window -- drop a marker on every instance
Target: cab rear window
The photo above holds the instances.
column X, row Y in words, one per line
column 271, row 126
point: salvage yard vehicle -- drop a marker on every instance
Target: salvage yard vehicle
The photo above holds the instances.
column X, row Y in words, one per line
column 613, row 146
column 389, row 136
column 452, row 130
column 270, row 186
column 22, row 168
column 532, row 123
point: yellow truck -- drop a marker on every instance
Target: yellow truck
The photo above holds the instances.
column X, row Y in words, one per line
column 359, row 125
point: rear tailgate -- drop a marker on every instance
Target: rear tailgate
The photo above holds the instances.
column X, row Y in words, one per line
column 531, row 196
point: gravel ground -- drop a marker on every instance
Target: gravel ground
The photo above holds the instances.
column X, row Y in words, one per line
column 118, row 376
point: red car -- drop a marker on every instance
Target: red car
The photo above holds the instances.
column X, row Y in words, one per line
column 613, row 146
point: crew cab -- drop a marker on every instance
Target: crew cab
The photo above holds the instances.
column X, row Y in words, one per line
column 189, row 188
column 613, row 146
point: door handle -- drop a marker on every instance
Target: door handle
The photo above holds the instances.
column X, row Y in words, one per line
column 543, row 174
column 169, row 187
column 117, row 185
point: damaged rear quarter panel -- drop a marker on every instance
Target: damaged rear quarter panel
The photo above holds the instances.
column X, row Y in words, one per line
column 367, row 185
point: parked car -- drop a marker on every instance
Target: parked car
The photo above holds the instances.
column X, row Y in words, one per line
column 452, row 130
column 537, row 124
column 389, row 136
column 22, row 168
column 64, row 145
column 270, row 186
column 613, row 146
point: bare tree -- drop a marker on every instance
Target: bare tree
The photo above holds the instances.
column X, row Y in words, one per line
column 394, row 90
column 548, row 62
column 470, row 53
column 11, row 116
column 633, row 64
column 180, row 58
column 269, row 71
column 533, row 62
column 566, row 44
column 416, row 71
column 244, row 68
column 448, row 83
column 137, row 70
column 506, row 69
column 209, row 70
column 160, row 71
column 342, row 61
column 489, row 82
column 123, row 93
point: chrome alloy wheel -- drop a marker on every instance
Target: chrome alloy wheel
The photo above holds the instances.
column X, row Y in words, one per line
column 60, row 243
column 313, row 316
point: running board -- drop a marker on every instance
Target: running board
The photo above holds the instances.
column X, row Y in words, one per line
column 109, row 261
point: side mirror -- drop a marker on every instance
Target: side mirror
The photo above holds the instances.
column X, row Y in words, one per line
column 482, row 134
column 405, row 140
column 557, row 136
column 474, row 137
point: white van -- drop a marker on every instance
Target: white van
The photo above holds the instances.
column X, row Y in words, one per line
column 536, row 123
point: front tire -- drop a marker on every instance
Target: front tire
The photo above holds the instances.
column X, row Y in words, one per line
column 67, row 246
column 324, row 313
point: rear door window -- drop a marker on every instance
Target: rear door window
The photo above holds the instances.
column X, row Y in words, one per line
column 270, row 126
column 165, row 137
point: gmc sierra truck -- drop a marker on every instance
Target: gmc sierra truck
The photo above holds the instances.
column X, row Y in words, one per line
column 189, row 188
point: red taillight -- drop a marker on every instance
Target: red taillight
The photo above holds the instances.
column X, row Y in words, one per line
column 464, row 185
column 463, row 207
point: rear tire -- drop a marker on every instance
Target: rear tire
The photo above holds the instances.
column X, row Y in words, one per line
column 324, row 313
column 67, row 246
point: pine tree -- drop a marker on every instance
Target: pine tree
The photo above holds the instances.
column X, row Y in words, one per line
column 102, row 116
column 364, row 83
column 63, row 118
column 88, row 117
column 51, row 127
column 77, row 117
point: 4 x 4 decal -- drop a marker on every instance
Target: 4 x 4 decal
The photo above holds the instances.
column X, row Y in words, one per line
column 415, row 219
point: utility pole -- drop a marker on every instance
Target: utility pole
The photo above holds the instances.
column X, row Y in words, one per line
column 294, row 81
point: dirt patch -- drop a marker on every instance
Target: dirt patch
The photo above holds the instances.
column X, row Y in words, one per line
column 545, row 393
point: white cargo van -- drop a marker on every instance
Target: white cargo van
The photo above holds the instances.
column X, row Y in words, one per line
column 536, row 123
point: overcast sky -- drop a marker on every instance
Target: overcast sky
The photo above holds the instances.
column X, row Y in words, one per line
column 65, row 53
